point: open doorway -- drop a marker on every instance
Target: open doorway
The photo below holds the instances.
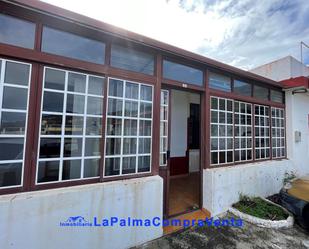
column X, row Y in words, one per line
column 184, row 160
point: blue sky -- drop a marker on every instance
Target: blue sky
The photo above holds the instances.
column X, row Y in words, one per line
column 243, row 33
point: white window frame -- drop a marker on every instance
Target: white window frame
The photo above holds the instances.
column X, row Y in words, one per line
column 26, row 111
column 122, row 118
column 240, row 138
column 62, row 137
column 275, row 120
column 162, row 120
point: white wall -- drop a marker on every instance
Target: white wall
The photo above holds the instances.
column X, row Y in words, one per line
column 282, row 69
column 297, row 109
column 222, row 186
column 31, row 220
column 180, row 111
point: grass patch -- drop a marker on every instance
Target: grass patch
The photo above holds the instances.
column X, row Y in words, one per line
column 257, row 207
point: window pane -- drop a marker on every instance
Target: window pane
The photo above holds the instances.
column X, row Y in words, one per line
column 74, row 125
column 113, row 146
column 11, row 148
column 54, row 79
column 114, row 107
column 129, row 165
column 95, row 85
column 91, row 167
column 219, row 82
column 16, row 73
column 93, row 147
column 72, row 147
column 73, row 46
column 71, row 169
column 48, row 171
column 260, row 92
column 115, row 88
column 53, row 102
column 75, row 103
column 242, row 88
column 145, row 110
column 133, row 60
column 129, row 146
column 182, row 73
column 93, row 126
column 143, row 163
column 13, row 123
column 95, row 106
column 276, row 96
column 50, row 147
column 130, row 108
column 76, row 82
column 146, row 93
column 131, row 91
column 144, row 146
column 114, row 126
column 10, row 174
column 144, row 128
column 112, row 166
column 15, row 98
column 130, row 127
column 8, row 29
column 51, row 124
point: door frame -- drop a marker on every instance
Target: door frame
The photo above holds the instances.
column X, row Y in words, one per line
column 164, row 171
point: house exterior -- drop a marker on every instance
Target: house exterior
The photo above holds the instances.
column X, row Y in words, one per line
column 99, row 122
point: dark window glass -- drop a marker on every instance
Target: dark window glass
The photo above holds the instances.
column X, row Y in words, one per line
column 94, row 106
column 276, row 96
column 73, row 46
column 260, row 92
column 131, row 59
column 71, row 169
column 182, row 73
column 10, row 174
column 112, row 166
column 53, row 102
column 91, row 167
column 74, row 125
column 72, row 147
column 143, row 163
column 128, row 165
column 48, row 171
column 12, row 123
column 93, row 126
column 11, row 148
column 51, row 124
column 15, row 98
column 16, row 73
column 92, row 147
column 242, row 88
column 50, row 147
column 54, row 79
column 219, row 82
column 16, row 32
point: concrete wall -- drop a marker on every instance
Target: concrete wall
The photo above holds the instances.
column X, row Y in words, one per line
column 222, row 186
column 31, row 220
column 297, row 111
column 282, row 69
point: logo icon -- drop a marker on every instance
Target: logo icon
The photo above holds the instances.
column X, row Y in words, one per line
column 76, row 221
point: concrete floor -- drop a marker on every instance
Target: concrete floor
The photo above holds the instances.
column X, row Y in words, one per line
column 248, row 236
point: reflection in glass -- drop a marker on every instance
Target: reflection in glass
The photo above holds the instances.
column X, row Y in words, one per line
column 95, row 85
column 94, row 106
column 11, row 148
column 51, row 124
column 53, row 102
column 75, row 103
column 76, row 82
column 91, row 167
column 72, row 147
column 12, row 123
column 93, row 126
column 115, row 88
column 54, row 79
column 113, row 146
column 74, row 125
column 50, row 147
column 143, row 163
column 112, row 166
column 15, row 98
column 128, row 165
column 48, row 171
column 16, row 73
column 71, row 169
column 10, row 174
column 92, row 147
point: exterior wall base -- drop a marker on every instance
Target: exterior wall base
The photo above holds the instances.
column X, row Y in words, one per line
column 222, row 186
column 32, row 220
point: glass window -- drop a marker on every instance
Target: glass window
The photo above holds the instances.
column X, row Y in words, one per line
column 133, row 60
column 128, row 128
column 182, row 73
column 164, row 127
column 72, row 46
column 262, row 132
column 71, row 126
column 14, row 90
column 242, row 88
column 17, row 32
column 221, row 143
column 278, row 132
column 260, row 92
column 243, row 131
column 276, row 96
column 219, row 82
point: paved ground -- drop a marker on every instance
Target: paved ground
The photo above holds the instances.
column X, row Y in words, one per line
column 248, row 236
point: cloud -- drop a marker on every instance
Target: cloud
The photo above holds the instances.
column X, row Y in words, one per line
column 244, row 33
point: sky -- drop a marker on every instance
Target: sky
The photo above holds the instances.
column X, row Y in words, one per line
column 241, row 33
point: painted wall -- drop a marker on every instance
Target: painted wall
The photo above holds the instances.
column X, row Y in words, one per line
column 297, row 109
column 222, row 186
column 31, row 220
column 284, row 68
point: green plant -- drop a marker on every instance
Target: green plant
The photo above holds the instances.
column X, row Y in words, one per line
column 288, row 176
